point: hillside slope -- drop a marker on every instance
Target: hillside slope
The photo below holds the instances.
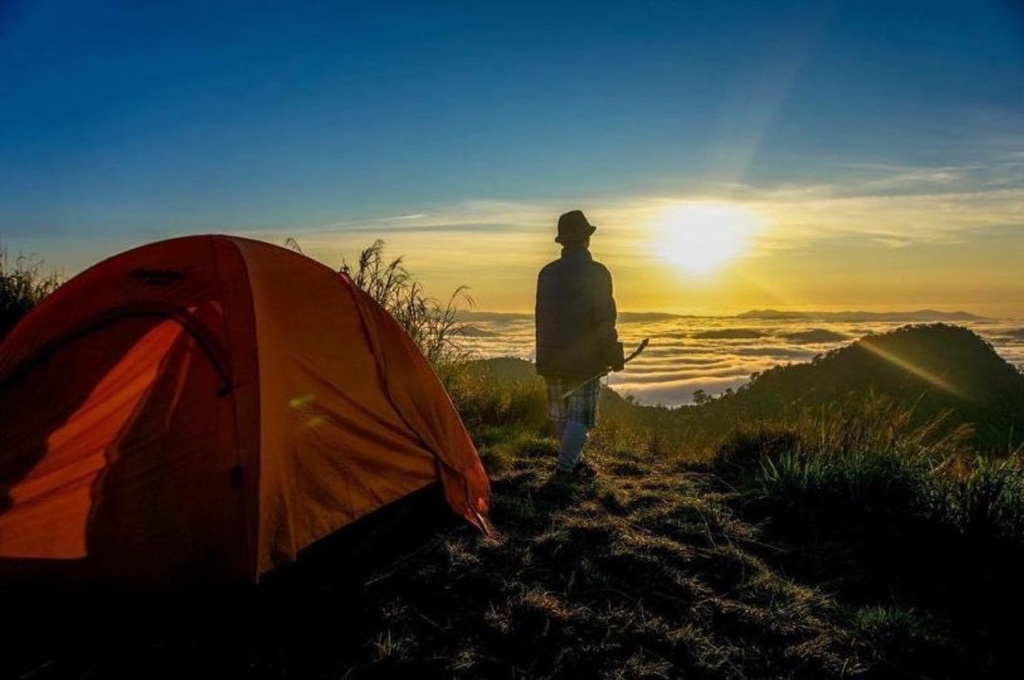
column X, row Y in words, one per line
column 932, row 368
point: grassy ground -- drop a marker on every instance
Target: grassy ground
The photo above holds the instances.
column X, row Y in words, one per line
column 645, row 572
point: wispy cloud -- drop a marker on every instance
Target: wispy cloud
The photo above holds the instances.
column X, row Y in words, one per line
column 897, row 205
column 496, row 246
column 401, row 218
column 883, row 177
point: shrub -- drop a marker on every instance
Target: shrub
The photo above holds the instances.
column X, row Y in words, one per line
column 983, row 498
column 867, row 464
column 430, row 323
column 499, row 394
column 433, row 326
column 745, row 450
column 22, row 285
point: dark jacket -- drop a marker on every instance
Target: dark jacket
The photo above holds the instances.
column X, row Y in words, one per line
column 575, row 317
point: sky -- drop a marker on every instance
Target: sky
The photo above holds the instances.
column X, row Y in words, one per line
column 826, row 154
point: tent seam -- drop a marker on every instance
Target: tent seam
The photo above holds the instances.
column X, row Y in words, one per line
column 251, row 515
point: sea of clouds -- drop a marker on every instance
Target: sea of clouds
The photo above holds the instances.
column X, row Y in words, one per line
column 716, row 353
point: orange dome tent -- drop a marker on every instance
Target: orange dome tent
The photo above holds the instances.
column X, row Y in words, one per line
column 202, row 408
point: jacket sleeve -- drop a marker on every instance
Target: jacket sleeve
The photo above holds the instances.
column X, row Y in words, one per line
column 604, row 316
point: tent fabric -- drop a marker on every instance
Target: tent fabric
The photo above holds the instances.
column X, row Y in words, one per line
column 204, row 408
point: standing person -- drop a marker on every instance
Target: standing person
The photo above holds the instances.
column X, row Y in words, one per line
column 576, row 338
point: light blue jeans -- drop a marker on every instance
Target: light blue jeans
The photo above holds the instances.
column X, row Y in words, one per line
column 572, row 435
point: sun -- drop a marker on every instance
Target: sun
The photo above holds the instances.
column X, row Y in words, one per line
column 700, row 238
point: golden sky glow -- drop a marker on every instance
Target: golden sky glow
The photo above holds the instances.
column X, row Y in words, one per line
column 903, row 239
column 699, row 238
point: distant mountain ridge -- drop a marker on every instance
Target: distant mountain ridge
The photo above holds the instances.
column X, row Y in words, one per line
column 467, row 315
column 913, row 316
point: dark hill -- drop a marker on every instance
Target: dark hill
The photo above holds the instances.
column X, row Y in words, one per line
column 933, row 368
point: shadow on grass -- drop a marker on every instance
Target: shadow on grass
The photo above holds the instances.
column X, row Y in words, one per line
column 301, row 621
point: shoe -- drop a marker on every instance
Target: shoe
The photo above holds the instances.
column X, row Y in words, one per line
column 560, row 476
column 584, row 470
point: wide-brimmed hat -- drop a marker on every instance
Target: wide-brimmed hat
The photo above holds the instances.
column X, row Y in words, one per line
column 573, row 227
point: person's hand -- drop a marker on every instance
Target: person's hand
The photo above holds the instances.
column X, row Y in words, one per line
column 618, row 358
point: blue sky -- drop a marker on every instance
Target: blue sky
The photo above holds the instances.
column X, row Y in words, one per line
column 124, row 122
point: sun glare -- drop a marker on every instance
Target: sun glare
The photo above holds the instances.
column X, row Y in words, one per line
column 699, row 238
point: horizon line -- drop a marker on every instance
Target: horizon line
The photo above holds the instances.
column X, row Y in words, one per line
column 762, row 313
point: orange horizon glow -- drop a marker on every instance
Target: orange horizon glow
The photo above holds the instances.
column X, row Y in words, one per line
column 809, row 249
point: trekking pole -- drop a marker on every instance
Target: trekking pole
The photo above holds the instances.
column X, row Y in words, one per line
column 597, row 376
